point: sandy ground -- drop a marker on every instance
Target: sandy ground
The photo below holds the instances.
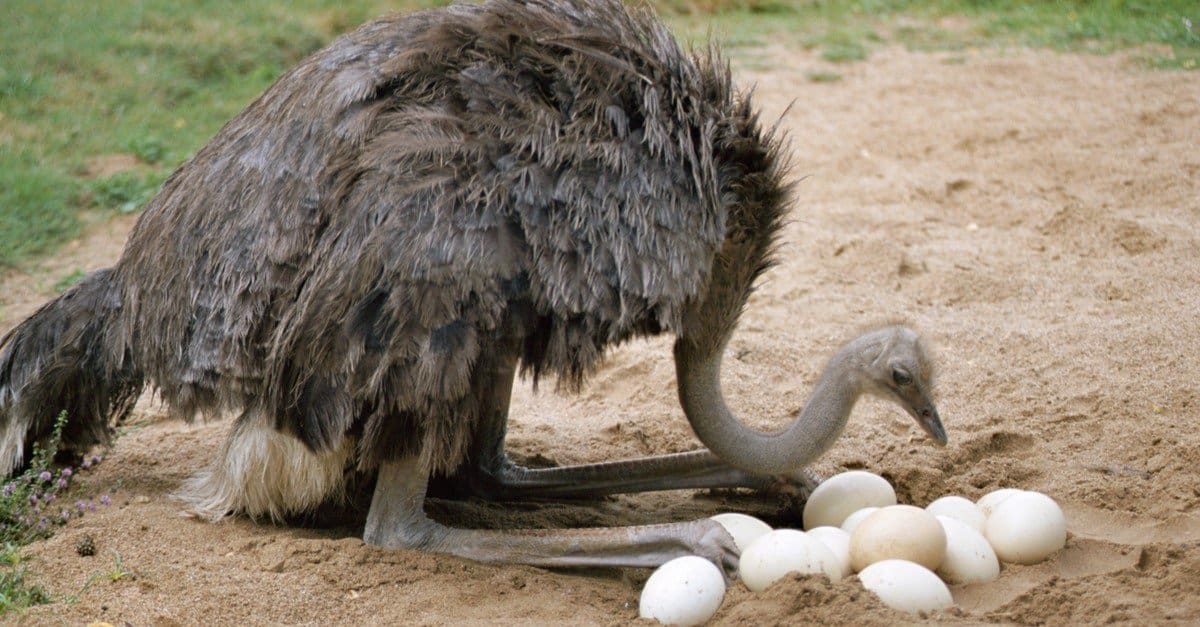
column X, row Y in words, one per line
column 1037, row 215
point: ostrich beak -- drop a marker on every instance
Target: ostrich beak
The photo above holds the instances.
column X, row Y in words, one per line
column 921, row 408
column 927, row 417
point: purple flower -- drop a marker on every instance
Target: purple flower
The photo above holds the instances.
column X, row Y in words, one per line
column 66, row 515
column 49, row 498
column 87, row 463
column 45, row 476
column 33, row 499
column 62, row 484
column 80, row 505
column 9, row 488
column 104, row 500
column 66, row 472
column 42, row 523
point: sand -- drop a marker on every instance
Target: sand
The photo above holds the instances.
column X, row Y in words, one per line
column 1036, row 215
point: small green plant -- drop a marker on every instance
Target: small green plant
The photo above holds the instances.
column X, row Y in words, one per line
column 16, row 592
column 148, row 148
column 118, row 572
column 28, row 502
column 32, row 505
column 823, row 76
column 113, row 575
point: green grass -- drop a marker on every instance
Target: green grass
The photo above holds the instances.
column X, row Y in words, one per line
column 153, row 79
column 847, row 30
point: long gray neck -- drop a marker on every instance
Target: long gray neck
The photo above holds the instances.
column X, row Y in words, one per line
column 809, row 435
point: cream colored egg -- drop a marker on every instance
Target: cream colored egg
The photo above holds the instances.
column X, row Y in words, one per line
column 838, row 543
column 786, row 551
column 969, row 557
column 989, row 501
column 959, row 508
column 1026, row 528
column 906, row 586
column 853, row 520
column 744, row 529
column 684, row 591
column 898, row 532
column 841, row 495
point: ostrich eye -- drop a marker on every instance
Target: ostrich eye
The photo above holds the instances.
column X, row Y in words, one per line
column 901, row 377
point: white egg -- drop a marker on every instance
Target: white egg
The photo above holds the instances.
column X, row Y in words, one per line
column 969, row 557
column 744, row 529
column 841, row 495
column 684, row 591
column 906, row 586
column 960, row 508
column 989, row 501
column 853, row 520
column 899, row 532
column 786, row 551
column 838, row 543
column 1026, row 528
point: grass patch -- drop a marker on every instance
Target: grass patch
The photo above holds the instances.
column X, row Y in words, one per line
column 125, row 192
column 844, row 52
column 847, row 30
column 152, row 78
column 36, row 208
column 821, row 76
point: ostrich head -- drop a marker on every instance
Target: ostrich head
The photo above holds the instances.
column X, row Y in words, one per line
column 893, row 364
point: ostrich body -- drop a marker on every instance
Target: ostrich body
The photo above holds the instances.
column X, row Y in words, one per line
column 361, row 262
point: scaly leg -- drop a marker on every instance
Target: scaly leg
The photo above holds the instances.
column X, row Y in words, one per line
column 680, row 471
column 396, row 519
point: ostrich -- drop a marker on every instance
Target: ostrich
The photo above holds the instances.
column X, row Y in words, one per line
column 360, row 263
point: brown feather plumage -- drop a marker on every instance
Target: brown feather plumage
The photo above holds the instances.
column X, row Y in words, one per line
column 554, row 177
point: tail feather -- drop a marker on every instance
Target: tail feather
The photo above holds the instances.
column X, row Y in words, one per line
column 72, row 355
column 263, row 472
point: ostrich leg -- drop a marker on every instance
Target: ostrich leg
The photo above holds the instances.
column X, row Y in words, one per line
column 396, row 520
column 492, row 475
column 679, row 471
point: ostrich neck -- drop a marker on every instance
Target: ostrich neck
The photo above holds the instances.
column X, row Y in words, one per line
column 799, row 444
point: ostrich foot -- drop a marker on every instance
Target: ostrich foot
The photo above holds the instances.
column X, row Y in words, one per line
column 396, row 519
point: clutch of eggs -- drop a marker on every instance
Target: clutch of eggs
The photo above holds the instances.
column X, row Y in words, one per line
column 855, row 525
